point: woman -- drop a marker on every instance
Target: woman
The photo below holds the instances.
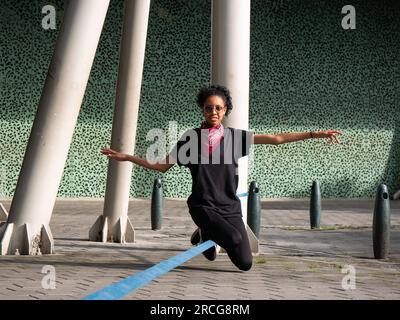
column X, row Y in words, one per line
column 211, row 152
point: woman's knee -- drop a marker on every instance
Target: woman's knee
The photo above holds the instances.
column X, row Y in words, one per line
column 245, row 265
column 242, row 262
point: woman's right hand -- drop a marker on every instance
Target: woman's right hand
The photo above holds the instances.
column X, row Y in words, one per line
column 112, row 154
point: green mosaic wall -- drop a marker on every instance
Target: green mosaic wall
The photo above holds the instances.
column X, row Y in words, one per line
column 307, row 73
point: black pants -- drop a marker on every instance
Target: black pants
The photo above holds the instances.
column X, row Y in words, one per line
column 228, row 232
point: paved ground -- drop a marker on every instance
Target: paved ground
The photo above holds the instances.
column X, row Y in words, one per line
column 295, row 263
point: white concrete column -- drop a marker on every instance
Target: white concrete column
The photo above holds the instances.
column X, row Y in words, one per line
column 114, row 224
column 230, row 67
column 27, row 228
column 230, row 64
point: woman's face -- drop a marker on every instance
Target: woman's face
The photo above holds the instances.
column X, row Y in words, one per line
column 214, row 110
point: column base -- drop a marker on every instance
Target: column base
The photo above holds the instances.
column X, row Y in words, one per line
column 100, row 232
column 3, row 213
column 20, row 240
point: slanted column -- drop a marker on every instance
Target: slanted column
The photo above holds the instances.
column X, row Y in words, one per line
column 27, row 227
column 114, row 224
column 230, row 67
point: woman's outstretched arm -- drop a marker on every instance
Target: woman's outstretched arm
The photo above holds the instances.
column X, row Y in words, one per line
column 296, row 136
column 162, row 166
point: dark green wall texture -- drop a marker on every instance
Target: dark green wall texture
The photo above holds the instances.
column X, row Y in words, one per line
column 307, row 73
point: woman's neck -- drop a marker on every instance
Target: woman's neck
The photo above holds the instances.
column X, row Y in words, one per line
column 205, row 125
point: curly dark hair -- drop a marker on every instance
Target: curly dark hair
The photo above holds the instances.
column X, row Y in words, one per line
column 215, row 90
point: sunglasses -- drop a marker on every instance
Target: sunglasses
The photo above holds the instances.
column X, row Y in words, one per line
column 210, row 109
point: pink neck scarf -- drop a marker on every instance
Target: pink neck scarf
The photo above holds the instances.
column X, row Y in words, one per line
column 215, row 135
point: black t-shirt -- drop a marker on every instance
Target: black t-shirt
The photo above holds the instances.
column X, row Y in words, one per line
column 214, row 176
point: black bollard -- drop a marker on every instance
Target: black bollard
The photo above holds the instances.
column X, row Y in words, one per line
column 254, row 208
column 381, row 223
column 315, row 206
column 156, row 205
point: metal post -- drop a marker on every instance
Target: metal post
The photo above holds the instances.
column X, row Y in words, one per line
column 381, row 223
column 114, row 223
column 254, row 208
column 156, row 205
column 27, row 228
column 315, row 206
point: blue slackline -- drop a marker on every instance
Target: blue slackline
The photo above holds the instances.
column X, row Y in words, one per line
column 121, row 288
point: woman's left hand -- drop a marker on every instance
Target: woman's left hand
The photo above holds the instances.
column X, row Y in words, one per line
column 329, row 134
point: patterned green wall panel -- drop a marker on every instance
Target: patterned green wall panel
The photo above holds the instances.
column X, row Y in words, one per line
column 307, row 73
